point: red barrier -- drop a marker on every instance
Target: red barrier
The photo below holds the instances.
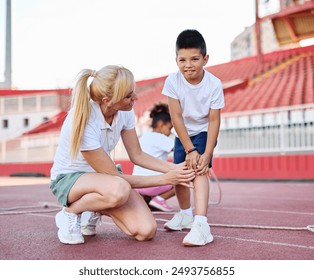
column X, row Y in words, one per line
column 27, row 169
column 270, row 167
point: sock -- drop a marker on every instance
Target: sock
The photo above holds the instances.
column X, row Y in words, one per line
column 187, row 211
column 201, row 219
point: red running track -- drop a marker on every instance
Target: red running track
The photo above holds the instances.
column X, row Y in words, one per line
column 33, row 236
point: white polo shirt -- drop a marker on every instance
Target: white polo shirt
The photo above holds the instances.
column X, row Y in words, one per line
column 96, row 134
column 195, row 100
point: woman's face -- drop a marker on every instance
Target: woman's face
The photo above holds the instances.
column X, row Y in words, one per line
column 126, row 103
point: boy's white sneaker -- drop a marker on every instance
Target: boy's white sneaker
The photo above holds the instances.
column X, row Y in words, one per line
column 89, row 221
column 69, row 227
column 179, row 221
column 199, row 235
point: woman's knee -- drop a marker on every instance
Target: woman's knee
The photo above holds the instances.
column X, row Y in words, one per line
column 146, row 231
column 120, row 192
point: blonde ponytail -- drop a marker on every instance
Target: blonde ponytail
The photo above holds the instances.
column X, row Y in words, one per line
column 81, row 107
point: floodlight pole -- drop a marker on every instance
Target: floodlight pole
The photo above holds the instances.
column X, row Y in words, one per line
column 8, row 47
column 258, row 34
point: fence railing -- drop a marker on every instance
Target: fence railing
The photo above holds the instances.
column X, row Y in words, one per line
column 278, row 131
column 39, row 148
column 32, row 148
column 272, row 131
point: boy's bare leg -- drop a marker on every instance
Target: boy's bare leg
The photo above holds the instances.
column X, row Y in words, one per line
column 201, row 195
column 183, row 196
column 168, row 194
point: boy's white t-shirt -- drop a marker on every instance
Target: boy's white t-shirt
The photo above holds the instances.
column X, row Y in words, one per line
column 97, row 134
column 195, row 100
column 157, row 145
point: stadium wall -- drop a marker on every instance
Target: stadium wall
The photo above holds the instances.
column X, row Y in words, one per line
column 265, row 167
column 269, row 167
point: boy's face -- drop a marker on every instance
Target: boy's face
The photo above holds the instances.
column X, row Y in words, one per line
column 191, row 63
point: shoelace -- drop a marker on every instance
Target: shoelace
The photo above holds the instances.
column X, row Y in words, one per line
column 178, row 218
column 75, row 223
column 94, row 218
column 198, row 229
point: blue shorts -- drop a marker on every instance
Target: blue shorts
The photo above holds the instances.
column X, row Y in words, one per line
column 199, row 141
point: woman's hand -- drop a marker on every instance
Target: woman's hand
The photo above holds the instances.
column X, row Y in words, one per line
column 180, row 176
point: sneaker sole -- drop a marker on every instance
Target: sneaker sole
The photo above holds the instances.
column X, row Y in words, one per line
column 190, row 244
column 177, row 229
column 66, row 241
column 87, row 232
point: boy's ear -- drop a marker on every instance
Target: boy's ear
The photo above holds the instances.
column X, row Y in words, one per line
column 206, row 57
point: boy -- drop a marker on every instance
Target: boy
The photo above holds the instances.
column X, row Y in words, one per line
column 195, row 98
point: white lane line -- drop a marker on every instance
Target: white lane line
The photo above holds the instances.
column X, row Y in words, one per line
column 253, row 240
column 267, row 242
column 267, row 210
column 217, row 236
column 251, row 197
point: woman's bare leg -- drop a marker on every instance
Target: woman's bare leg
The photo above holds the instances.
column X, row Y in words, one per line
column 112, row 196
column 96, row 192
column 134, row 218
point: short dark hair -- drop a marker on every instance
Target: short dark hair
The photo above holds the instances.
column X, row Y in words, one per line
column 189, row 39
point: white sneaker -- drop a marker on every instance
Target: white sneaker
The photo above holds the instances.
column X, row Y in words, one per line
column 199, row 235
column 69, row 227
column 89, row 221
column 179, row 221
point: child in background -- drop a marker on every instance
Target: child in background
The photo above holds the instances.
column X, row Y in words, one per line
column 157, row 143
column 195, row 98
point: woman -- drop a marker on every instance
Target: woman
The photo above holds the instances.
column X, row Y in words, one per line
column 85, row 178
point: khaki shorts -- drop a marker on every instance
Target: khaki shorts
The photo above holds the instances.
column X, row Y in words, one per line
column 62, row 185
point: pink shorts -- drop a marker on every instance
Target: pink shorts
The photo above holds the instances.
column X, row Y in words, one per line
column 153, row 191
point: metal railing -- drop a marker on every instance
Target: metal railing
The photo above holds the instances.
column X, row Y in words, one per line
column 272, row 131
column 276, row 131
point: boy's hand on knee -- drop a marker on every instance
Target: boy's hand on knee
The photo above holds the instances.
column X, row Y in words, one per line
column 191, row 160
column 203, row 165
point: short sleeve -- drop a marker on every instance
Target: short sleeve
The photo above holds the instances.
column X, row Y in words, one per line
column 91, row 138
column 217, row 101
column 169, row 89
column 129, row 120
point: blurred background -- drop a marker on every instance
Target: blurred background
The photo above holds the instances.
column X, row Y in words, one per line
column 264, row 57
